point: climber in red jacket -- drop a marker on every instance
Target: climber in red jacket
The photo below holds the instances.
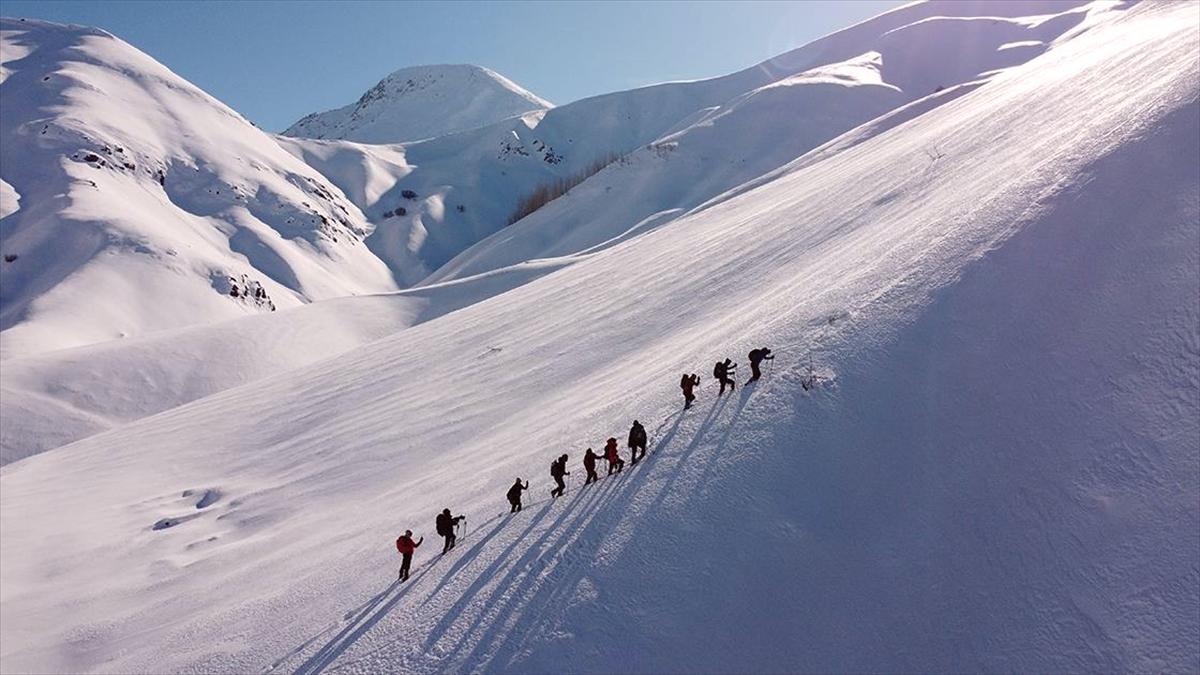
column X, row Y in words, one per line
column 406, row 546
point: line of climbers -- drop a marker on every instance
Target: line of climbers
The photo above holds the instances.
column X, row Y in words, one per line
column 447, row 524
column 723, row 371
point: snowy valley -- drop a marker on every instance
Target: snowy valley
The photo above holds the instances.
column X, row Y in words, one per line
column 234, row 365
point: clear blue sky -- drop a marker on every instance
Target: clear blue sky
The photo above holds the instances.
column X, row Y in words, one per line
column 277, row 61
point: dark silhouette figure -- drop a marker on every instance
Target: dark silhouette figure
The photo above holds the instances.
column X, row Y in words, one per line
column 687, row 384
column 589, row 463
column 723, row 371
column 615, row 463
column 637, row 441
column 445, row 527
column 514, row 495
column 406, row 546
column 757, row 356
column 558, row 469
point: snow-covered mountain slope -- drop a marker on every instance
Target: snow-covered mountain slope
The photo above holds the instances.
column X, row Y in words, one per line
column 142, row 202
column 1002, row 472
column 422, row 102
column 465, row 187
column 769, row 126
column 210, row 205
column 50, row 400
column 63, row 397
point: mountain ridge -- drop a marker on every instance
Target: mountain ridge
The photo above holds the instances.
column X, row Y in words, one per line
column 996, row 470
column 418, row 102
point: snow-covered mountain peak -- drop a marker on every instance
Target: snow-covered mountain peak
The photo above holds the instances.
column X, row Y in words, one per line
column 969, row 242
column 422, row 102
column 139, row 202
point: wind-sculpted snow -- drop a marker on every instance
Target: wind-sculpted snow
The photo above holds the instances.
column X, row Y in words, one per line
column 999, row 472
column 137, row 190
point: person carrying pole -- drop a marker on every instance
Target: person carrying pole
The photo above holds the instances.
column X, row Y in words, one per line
column 723, row 371
column 406, row 546
column 757, row 356
column 514, row 495
column 446, row 524
column 589, row 464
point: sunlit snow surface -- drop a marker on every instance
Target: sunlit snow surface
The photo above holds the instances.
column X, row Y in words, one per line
column 422, row 102
column 1000, row 472
column 430, row 206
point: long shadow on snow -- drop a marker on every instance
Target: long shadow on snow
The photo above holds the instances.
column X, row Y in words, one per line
column 719, row 450
column 487, row 576
column 580, row 501
column 677, row 417
column 474, row 552
column 556, row 592
column 567, row 562
column 525, row 572
column 714, row 412
column 357, row 626
column 584, row 508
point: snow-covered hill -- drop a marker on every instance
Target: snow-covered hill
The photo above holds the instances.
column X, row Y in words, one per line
column 462, row 187
column 1000, row 472
column 49, row 400
column 422, row 102
column 721, row 132
column 758, row 131
column 136, row 202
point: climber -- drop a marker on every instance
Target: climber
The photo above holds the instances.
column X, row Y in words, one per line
column 613, row 456
column 723, row 371
column 757, row 356
column 688, row 383
column 558, row 469
column 589, row 463
column 637, row 441
column 514, row 495
column 445, row 527
column 406, row 546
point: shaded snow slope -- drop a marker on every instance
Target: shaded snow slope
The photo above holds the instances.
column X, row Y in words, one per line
column 422, row 102
column 1002, row 473
column 144, row 202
